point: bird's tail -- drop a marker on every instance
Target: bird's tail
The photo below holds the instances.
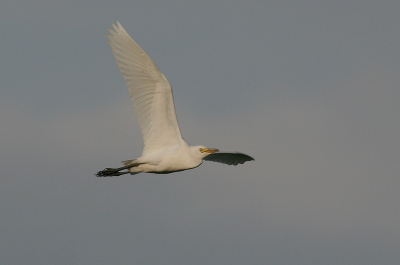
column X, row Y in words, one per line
column 127, row 162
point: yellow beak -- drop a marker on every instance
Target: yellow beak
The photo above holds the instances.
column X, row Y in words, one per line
column 209, row 150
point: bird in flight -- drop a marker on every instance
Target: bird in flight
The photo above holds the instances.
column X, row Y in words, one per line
column 165, row 151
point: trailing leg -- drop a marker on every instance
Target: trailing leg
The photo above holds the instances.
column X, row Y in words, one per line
column 112, row 172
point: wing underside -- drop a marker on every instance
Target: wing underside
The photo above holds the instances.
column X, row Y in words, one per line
column 231, row 158
column 150, row 92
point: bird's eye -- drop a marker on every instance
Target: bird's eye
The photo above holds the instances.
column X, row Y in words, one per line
column 201, row 150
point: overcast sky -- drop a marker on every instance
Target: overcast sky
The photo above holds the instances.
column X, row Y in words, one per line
column 310, row 89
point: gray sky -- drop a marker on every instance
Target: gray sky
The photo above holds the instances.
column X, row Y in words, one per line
column 310, row 89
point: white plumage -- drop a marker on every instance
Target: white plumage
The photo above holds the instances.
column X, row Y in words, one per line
column 165, row 150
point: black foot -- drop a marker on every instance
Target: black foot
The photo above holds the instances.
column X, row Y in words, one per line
column 110, row 172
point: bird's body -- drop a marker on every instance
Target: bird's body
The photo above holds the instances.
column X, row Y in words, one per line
column 168, row 160
column 165, row 150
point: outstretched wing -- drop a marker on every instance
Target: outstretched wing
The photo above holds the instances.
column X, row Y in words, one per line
column 231, row 158
column 150, row 92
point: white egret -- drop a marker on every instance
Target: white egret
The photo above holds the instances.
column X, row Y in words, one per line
column 165, row 150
